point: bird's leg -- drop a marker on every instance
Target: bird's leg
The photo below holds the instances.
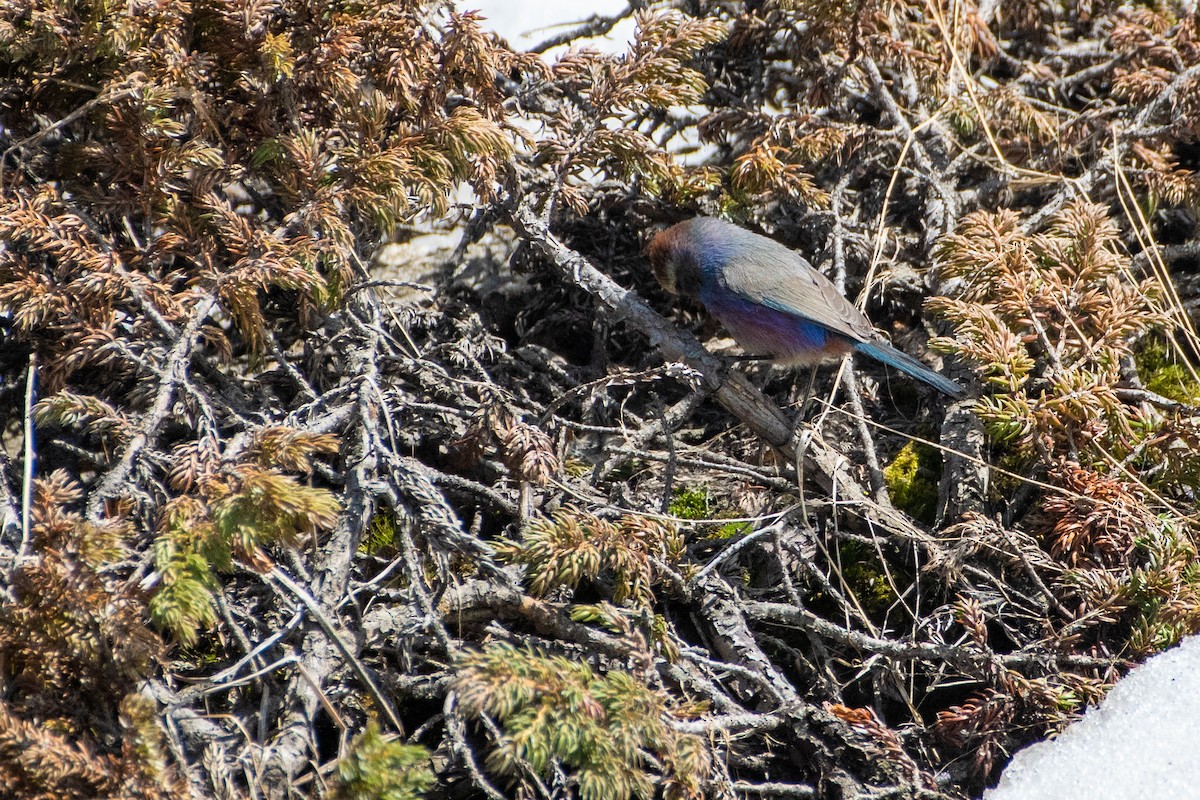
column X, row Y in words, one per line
column 808, row 392
column 802, row 440
column 750, row 358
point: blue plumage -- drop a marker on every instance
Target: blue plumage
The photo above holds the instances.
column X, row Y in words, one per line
column 882, row 351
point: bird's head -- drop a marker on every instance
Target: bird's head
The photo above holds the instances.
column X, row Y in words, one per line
column 673, row 257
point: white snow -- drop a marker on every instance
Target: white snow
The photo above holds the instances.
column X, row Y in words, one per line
column 527, row 23
column 1141, row 743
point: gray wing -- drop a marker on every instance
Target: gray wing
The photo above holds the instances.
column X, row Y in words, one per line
column 769, row 273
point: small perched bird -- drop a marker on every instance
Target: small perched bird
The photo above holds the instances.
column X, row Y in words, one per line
column 770, row 299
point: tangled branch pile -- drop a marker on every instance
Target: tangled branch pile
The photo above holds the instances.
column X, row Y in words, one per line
column 490, row 520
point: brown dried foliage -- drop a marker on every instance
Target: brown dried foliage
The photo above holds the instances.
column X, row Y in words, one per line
column 75, row 647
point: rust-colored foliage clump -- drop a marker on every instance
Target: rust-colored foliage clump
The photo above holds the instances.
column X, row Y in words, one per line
column 1098, row 525
column 75, row 649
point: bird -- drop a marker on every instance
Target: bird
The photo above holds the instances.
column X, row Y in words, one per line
column 771, row 299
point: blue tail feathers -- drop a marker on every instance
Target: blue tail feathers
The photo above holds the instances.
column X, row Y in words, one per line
column 885, row 353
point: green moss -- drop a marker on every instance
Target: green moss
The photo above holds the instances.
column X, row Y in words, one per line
column 912, row 480
column 381, row 536
column 732, row 529
column 1163, row 374
column 693, row 504
column 689, row 504
column 864, row 574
